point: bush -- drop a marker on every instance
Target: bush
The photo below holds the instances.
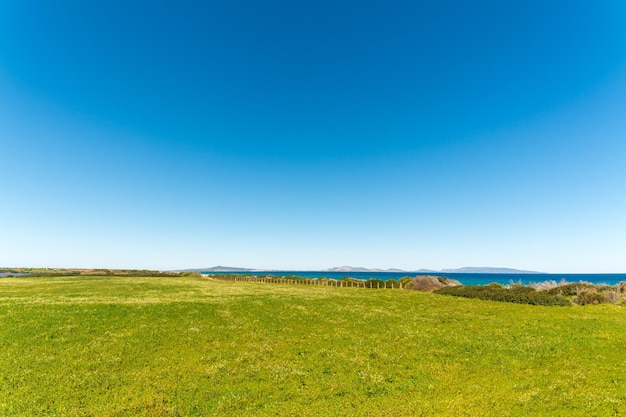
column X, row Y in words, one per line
column 425, row 283
column 612, row 296
column 428, row 283
column 192, row 274
column 521, row 289
column 392, row 283
column 585, row 297
column 569, row 290
column 375, row 283
column 405, row 282
column 516, row 294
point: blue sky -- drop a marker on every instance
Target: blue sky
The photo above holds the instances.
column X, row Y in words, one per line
column 305, row 135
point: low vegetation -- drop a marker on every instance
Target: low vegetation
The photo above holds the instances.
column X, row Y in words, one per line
column 547, row 293
column 185, row 346
column 513, row 294
column 63, row 272
column 560, row 295
column 428, row 283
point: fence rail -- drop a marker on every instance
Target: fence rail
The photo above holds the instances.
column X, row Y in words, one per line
column 343, row 283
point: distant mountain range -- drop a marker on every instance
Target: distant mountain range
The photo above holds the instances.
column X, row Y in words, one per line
column 360, row 269
column 489, row 270
column 465, row 270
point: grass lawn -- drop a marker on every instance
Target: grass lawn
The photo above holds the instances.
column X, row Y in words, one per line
column 109, row 346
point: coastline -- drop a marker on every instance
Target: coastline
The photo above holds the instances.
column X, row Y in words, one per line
column 468, row 279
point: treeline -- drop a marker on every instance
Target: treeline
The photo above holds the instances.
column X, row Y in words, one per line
column 59, row 272
column 138, row 273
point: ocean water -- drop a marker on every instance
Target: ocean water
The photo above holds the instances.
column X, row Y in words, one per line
column 465, row 279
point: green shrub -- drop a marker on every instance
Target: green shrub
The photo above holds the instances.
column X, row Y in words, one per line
column 516, row 294
column 375, row 283
column 192, row 274
column 569, row 290
column 585, row 297
column 392, row 283
column 405, row 281
column 521, row 289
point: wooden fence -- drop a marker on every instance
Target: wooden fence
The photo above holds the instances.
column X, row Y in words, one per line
column 346, row 283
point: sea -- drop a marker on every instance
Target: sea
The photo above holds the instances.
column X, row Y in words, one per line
column 463, row 278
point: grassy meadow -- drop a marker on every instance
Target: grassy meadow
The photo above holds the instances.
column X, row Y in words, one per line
column 111, row 346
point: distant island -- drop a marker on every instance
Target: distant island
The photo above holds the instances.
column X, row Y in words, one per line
column 346, row 268
column 360, row 269
column 489, row 270
column 465, row 270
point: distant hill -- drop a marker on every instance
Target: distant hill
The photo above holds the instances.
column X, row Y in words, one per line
column 489, row 270
column 465, row 270
column 346, row 268
column 360, row 269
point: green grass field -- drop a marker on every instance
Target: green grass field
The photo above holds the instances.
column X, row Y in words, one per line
column 109, row 346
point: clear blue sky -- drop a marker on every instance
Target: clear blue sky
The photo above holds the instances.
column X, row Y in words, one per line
column 310, row 134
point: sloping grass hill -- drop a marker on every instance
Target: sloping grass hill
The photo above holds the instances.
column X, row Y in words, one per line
column 110, row 346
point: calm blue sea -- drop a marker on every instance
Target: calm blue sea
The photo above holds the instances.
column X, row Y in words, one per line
column 465, row 279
